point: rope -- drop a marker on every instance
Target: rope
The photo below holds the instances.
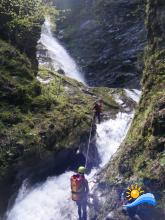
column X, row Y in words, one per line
column 89, row 142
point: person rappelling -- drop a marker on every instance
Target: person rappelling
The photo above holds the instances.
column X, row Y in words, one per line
column 80, row 191
column 97, row 109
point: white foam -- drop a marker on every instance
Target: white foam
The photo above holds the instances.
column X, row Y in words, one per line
column 52, row 199
column 49, row 201
column 110, row 135
column 134, row 94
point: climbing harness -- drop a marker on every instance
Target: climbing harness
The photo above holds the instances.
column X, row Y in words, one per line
column 86, row 162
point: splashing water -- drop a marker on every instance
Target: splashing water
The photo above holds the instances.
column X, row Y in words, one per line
column 133, row 94
column 110, row 135
column 52, row 200
column 60, row 59
column 49, row 201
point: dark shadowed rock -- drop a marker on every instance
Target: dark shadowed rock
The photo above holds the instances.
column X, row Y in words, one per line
column 107, row 39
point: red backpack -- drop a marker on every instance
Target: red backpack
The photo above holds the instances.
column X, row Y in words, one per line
column 77, row 187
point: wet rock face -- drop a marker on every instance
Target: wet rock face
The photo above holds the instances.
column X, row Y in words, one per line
column 107, row 40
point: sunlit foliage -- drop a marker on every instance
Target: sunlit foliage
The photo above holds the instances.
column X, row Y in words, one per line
column 18, row 18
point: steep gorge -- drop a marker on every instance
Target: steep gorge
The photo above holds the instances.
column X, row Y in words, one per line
column 44, row 119
column 141, row 157
column 43, row 124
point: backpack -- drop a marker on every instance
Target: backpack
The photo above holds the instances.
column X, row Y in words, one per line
column 77, row 187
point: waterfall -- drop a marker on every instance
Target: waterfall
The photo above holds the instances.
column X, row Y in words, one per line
column 110, row 135
column 52, row 200
column 58, row 57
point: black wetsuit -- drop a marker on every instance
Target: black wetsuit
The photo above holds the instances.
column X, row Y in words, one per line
column 82, row 203
column 98, row 109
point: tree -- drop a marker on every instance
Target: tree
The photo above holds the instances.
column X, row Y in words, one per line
column 17, row 15
column 20, row 23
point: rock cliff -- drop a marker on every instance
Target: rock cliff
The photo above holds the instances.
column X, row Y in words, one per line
column 141, row 157
column 107, row 39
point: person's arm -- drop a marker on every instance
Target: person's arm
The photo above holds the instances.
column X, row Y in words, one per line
column 86, row 186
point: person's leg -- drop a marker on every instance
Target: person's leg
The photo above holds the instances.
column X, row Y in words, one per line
column 79, row 210
column 84, row 208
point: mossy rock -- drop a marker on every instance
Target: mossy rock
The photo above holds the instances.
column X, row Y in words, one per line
column 49, row 113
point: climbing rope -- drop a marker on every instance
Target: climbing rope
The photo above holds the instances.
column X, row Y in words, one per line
column 91, row 128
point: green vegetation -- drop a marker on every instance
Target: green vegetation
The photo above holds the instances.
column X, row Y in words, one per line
column 39, row 117
column 18, row 16
column 16, row 76
column 53, row 112
column 20, row 23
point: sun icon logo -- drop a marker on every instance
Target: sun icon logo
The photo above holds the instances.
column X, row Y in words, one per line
column 133, row 192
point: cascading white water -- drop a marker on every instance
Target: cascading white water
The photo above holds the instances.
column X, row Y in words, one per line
column 110, row 135
column 52, row 200
column 47, row 201
column 134, row 94
column 60, row 59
